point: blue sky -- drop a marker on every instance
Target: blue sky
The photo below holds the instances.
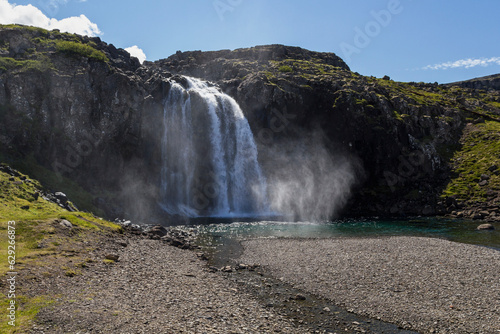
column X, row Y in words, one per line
column 409, row 40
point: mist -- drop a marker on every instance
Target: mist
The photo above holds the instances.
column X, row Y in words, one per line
column 307, row 181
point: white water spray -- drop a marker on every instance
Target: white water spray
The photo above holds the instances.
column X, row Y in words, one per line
column 209, row 156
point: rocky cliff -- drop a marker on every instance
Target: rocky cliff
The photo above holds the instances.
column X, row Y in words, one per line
column 408, row 137
column 76, row 108
column 79, row 108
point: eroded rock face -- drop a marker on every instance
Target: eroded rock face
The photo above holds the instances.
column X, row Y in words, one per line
column 90, row 112
column 401, row 135
column 84, row 118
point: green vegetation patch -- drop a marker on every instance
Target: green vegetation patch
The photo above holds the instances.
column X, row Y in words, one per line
column 285, row 69
column 479, row 155
column 20, row 199
column 41, row 64
column 43, row 247
column 27, row 309
column 308, row 69
column 77, row 49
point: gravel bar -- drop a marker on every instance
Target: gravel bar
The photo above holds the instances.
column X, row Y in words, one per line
column 423, row 284
column 155, row 288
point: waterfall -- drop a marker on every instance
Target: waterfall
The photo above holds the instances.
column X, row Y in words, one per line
column 209, row 156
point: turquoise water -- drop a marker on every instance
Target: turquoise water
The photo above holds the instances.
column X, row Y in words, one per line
column 453, row 230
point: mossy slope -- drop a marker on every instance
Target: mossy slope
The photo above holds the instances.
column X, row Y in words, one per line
column 42, row 244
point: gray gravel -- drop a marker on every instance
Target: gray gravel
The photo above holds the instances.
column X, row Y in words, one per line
column 155, row 288
column 428, row 285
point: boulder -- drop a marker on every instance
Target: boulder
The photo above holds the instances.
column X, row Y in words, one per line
column 63, row 199
column 65, row 223
column 485, row 227
column 158, row 230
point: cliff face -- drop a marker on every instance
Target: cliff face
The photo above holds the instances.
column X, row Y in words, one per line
column 80, row 108
column 404, row 135
column 89, row 112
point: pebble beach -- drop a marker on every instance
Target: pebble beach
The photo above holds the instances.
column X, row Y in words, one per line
column 423, row 284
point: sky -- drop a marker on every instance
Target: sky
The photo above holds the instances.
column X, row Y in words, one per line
column 408, row 40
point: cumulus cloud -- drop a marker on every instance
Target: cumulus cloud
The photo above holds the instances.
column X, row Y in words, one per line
column 137, row 52
column 464, row 63
column 32, row 16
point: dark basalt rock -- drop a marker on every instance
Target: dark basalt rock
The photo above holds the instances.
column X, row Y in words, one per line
column 98, row 122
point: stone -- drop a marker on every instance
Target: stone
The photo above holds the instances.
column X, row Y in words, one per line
column 112, row 257
column 485, row 177
column 63, row 199
column 300, row 296
column 65, row 223
column 227, row 269
column 25, row 207
column 158, row 231
column 483, row 183
column 485, row 227
column 493, row 168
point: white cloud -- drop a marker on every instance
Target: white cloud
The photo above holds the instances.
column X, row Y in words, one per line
column 464, row 63
column 137, row 52
column 32, row 16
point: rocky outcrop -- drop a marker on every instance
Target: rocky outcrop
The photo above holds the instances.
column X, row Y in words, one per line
column 490, row 82
column 79, row 107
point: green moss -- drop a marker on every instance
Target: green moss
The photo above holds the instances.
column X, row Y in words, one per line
column 88, row 221
column 78, row 49
column 27, row 309
column 480, row 150
column 285, row 69
column 20, row 200
column 398, row 115
column 42, row 64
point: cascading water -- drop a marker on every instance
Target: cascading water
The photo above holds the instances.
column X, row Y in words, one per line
column 209, row 156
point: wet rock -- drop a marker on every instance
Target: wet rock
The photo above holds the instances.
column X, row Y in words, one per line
column 485, row 227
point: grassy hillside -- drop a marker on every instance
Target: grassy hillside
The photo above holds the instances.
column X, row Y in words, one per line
column 44, row 248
